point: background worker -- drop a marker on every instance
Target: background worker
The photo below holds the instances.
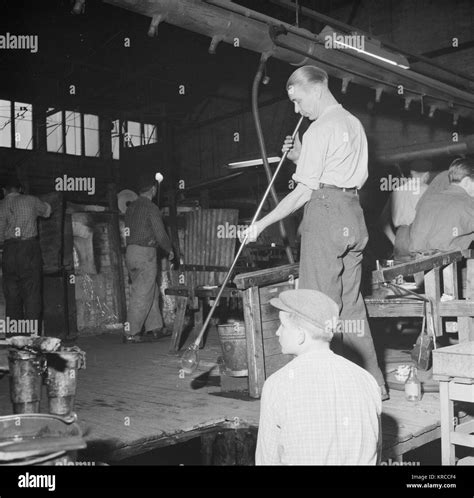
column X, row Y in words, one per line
column 146, row 235
column 400, row 210
column 445, row 221
column 331, row 167
column 320, row 408
column 22, row 262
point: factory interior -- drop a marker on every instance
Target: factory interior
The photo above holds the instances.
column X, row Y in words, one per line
column 143, row 322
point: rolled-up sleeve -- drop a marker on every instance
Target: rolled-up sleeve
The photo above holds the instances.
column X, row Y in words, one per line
column 43, row 209
column 268, row 438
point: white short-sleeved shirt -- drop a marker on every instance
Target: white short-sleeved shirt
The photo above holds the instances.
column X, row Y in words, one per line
column 334, row 151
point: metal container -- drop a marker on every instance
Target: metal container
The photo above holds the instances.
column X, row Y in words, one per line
column 234, row 348
column 39, row 439
column 61, row 380
column 26, row 369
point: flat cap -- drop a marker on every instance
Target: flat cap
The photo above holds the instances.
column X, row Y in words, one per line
column 311, row 305
column 144, row 183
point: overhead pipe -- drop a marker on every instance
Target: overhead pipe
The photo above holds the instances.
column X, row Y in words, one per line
column 313, row 14
column 263, row 150
column 283, row 28
column 249, row 30
column 425, row 151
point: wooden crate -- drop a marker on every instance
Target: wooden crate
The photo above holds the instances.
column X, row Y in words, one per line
column 454, row 361
column 261, row 321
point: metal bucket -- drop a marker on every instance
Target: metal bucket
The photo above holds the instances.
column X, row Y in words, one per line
column 61, row 381
column 26, row 369
column 234, row 348
column 39, row 439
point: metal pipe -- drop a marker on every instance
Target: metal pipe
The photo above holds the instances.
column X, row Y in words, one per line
column 263, row 150
column 427, row 151
column 249, row 33
column 211, row 182
column 313, row 14
column 284, row 27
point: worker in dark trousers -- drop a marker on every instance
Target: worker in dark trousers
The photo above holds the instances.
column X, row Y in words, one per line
column 146, row 234
column 21, row 262
column 332, row 165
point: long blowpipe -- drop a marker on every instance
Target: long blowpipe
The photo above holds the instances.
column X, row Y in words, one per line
column 195, row 345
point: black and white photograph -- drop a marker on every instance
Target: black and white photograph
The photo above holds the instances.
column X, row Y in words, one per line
column 236, row 234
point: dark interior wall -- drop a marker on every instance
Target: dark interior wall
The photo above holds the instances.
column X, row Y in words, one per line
column 205, row 151
column 39, row 170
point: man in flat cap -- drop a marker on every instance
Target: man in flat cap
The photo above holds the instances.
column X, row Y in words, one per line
column 146, row 234
column 320, row 408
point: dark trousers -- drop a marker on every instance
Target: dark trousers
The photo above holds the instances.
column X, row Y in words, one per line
column 334, row 236
column 22, row 267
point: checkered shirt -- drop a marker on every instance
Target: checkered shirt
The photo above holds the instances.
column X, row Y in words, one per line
column 18, row 216
column 319, row 409
column 143, row 219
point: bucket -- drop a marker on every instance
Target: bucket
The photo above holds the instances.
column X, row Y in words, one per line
column 26, row 369
column 234, row 348
column 61, row 381
column 39, row 439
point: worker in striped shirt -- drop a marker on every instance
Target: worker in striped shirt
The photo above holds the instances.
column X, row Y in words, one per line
column 320, row 408
column 22, row 262
column 146, row 234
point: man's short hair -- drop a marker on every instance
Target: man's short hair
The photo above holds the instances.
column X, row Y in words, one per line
column 12, row 183
column 316, row 333
column 307, row 75
column 460, row 168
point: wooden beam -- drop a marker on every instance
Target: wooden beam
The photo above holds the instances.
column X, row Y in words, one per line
column 417, row 265
column 268, row 276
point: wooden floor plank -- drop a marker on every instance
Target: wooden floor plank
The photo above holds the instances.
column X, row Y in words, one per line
column 140, row 385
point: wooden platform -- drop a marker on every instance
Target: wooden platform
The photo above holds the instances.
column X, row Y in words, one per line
column 131, row 399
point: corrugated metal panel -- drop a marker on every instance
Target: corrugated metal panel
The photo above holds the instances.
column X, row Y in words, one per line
column 202, row 246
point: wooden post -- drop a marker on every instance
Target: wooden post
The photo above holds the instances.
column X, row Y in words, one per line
column 466, row 324
column 116, row 253
column 450, row 280
column 447, row 424
column 253, row 332
column 433, row 291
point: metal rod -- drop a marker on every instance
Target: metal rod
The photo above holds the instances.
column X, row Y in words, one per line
column 242, row 245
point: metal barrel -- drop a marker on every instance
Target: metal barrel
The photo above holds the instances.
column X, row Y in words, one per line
column 234, row 348
column 26, row 370
column 61, row 381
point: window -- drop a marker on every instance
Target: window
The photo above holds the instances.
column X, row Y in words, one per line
column 73, row 133
column 133, row 136
column 23, row 126
column 91, row 135
column 5, row 123
column 115, row 138
column 54, row 131
column 149, row 133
